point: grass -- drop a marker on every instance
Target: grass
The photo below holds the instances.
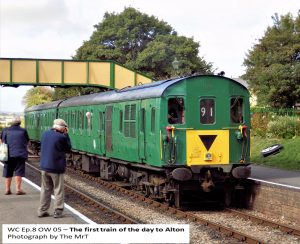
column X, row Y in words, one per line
column 288, row 158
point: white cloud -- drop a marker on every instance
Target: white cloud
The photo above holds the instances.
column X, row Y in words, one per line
column 226, row 30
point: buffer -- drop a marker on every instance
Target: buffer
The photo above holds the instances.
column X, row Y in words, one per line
column 62, row 73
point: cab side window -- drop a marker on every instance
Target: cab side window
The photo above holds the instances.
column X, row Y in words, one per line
column 236, row 110
column 176, row 111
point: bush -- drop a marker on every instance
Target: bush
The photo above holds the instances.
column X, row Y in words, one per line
column 284, row 127
column 259, row 124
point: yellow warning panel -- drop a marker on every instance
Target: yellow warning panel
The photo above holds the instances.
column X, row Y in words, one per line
column 204, row 147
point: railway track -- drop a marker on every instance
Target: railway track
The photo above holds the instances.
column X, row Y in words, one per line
column 282, row 227
column 196, row 218
column 224, row 229
column 95, row 206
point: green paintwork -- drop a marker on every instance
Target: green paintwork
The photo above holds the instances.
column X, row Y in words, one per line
column 146, row 145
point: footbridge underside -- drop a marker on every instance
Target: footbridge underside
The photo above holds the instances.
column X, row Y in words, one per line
column 62, row 73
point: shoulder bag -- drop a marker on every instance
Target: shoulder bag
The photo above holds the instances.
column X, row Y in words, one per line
column 3, row 152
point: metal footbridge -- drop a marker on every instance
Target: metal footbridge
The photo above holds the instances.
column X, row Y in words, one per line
column 62, row 73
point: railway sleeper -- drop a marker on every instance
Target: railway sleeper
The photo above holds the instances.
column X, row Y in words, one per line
column 213, row 187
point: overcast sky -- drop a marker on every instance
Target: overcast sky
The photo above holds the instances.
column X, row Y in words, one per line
column 54, row 29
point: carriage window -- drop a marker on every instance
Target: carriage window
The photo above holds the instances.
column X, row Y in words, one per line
column 236, row 110
column 69, row 118
column 81, row 120
column 207, row 111
column 176, row 110
column 100, row 124
column 153, row 120
column 89, row 124
column 38, row 120
column 129, row 121
column 73, row 121
column 121, row 121
column 143, row 119
column 76, row 120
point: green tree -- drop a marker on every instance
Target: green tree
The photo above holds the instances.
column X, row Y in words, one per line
column 156, row 59
column 144, row 43
column 38, row 95
column 140, row 42
column 62, row 93
column 273, row 65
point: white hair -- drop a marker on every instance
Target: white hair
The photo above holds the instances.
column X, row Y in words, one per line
column 58, row 127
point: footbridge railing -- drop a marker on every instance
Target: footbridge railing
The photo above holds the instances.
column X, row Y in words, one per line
column 62, row 73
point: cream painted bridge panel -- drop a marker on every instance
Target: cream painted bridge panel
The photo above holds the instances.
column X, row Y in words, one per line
column 50, row 72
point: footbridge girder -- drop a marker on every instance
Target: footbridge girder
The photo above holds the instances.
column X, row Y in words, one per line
column 62, row 73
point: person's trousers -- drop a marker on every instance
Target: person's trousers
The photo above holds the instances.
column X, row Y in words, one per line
column 51, row 183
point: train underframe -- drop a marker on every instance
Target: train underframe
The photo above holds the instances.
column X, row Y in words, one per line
column 178, row 187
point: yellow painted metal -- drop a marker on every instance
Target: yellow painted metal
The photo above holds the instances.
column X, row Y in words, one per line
column 99, row 73
column 68, row 72
column 198, row 154
column 123, row 77
column 141, row 79
column 50, row 72
column 4, row 71
column 74, row 72
column 24, row 71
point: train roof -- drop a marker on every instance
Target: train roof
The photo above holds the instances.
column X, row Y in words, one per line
column 151, row 90
column 49, row 105
column 125, row 94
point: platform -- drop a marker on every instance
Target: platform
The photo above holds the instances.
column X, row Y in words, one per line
column 275, row 192
column 280, row 177
column 22, row 209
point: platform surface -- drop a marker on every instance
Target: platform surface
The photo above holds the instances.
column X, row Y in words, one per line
column 277, row 176
column 22, row 209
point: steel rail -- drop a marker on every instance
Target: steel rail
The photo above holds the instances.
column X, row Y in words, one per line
column 229, row 232
column 93, row 202
column 283, row 227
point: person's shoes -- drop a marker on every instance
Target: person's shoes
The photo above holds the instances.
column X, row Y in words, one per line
column 57, row 214
column 45, row 214
column 7, row 193
column 20, row 193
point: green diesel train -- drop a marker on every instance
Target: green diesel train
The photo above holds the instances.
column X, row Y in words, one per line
column 176, row 139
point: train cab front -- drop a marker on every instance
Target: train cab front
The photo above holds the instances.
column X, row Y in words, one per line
column 216, row 147
column 216, row 166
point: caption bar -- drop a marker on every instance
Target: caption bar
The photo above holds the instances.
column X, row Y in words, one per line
column 82, row 233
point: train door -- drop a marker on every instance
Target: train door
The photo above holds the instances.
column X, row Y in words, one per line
column 142, row 126
column 108, row 129
column 100, row 131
